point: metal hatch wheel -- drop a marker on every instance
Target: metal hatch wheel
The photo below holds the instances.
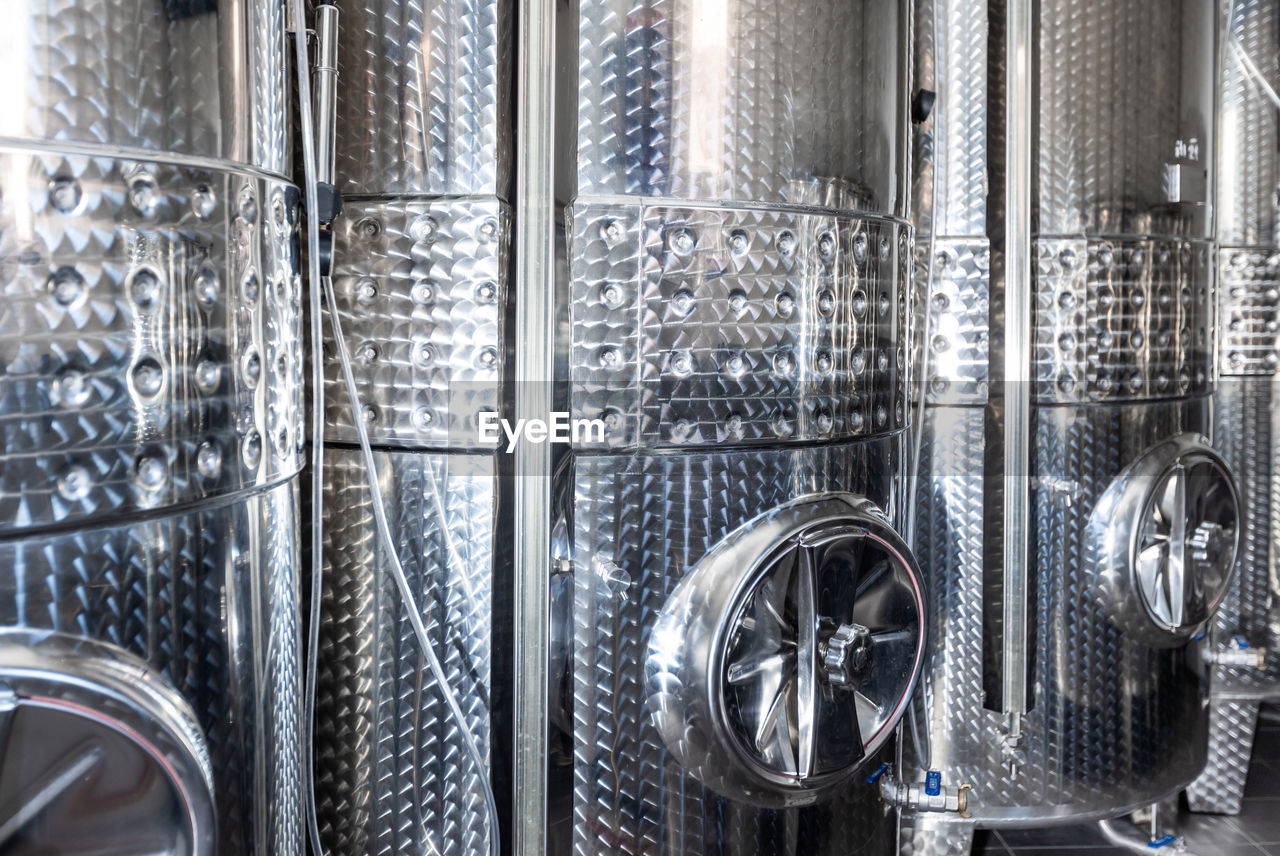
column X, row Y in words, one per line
column 788, row 653
column 98, row 753
column 1166, row 533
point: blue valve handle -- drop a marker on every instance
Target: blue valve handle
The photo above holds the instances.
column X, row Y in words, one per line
column 875, row 777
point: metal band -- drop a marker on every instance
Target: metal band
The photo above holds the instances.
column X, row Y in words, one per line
column 420, row 288
column 1248, row 299
column 717, row 326
column 1122, row 319
column 149, row 339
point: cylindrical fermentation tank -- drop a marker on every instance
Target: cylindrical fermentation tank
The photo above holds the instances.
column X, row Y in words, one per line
column 423, row 161
column 1131, row 520
column 1242, row 644
column 738, row 624
column 150, row 430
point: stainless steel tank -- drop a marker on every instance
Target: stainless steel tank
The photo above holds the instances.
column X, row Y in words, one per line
column 1132, row 518
column 150, row 430
column 1242, row 642
column 739, row 624
column 420, row 275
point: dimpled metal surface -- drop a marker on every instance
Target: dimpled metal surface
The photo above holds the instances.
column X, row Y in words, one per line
column 1122, row 320
column 209, row 599
column 956, row 308
column 149, row 336
column 420, row 287
column 423, row 97
column 1110, row 91
column 178, row 76
column 1113, row 723
column 639, row 524
column 695, row 327
column 1248, row 298
column 1249, row 129
column 391, row 772
column 1220, row 788
column 949, row 166
column 745, row 101
column 1248, row 328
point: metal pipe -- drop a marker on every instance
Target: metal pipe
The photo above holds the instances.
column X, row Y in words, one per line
column 326, row 89
column 534, row 347
column 1017, row 359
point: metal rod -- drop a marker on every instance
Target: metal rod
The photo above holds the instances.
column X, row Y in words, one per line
column 1017, row 358
column 326, row 78
column 534, row 343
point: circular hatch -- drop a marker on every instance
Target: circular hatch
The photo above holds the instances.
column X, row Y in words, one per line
column 786, row 656
column 1167, row 531
column 98, row 754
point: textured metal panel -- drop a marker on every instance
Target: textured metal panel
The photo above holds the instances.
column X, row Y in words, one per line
column 725, row 325
column 638, row 525
column 950, row 148
column 744, row 100
column 1122, row 320
column 1248, row 132
column 420, row 287
column 928, row 836
column 1113, row 723
column 1248, row 297
column 423, row 97
column 190, row 78
column 1111, row 94
column 209, row 598
column 392, row 775
column 1220, row 788
column 150, row 349
column 958, row 307
column 1244, row 428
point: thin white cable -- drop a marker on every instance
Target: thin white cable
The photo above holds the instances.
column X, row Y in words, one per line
column 379, row 512
column 303, row 63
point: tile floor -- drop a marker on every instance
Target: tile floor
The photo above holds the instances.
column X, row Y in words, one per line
column 1254, row 832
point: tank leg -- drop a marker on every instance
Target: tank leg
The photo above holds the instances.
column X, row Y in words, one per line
column 1220, row 788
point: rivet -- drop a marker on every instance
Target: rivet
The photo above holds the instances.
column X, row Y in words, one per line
column 144, row 287
column 488, row 230
column 71, row 388
column 147, row 377
column 824, row 421
column 860, row 248
column 367, row 353
column 610, row 358
column 1067, row 342
column 366, row 292
column 424, row 229
column 733, row 425
column 786, row 244
column 65, row 194
column 611, row 232
column 884, row 248
column 424, row 353
column 682, row 302
column 249, row 287
column 486, row 292
column 206, row 285
column 74, row 482
column 1066, row 301
column 824, row 362
column 366, row 229
column 67, row 287
column 858, row 303
column 151, row 473
column 826, row 302
column 681, row 363
column 783, row 425
column 203, row 202
column 143, row 194
column 487, row 358
column 884, row 303
column 208, row 374
column 423, row 294
column 208, row 460
column 858, row 360
column 786, row 304
column 826, row 246
column 423, row 418
column 251, row 367
column 784, row 364
column 682, row 241
column 738, row 302
column 611, row 295
column 248, row 205
column 251, row 450
column 738, row 242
